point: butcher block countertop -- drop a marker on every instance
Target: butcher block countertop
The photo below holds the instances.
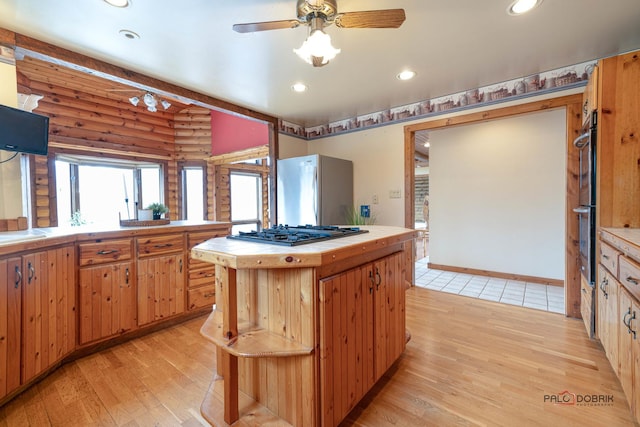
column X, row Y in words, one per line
column 241, row 254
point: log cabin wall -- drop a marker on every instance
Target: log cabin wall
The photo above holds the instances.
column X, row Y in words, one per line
column 92, row 116
column 193, row 145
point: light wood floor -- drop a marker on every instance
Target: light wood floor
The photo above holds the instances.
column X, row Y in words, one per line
column 469, row 362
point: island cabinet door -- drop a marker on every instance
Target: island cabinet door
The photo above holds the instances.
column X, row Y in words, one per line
column 362, row 332
column 346, row 342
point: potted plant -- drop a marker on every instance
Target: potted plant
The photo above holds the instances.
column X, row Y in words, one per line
column 158, row 209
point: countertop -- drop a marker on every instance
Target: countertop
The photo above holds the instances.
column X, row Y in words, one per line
column 631, row 235
column 243, row 254
column 15, row 241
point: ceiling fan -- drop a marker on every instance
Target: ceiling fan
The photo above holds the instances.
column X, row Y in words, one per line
column 318, row 14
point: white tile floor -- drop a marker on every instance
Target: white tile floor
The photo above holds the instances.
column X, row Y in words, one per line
column 531, row 295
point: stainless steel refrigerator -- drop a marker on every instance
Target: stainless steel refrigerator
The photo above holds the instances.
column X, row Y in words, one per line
column 315, row 190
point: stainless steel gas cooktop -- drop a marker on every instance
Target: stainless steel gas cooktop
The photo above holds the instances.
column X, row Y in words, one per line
column 298, row 235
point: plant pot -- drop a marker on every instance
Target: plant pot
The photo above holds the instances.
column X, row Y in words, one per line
column 157, row 215
column 145, row 214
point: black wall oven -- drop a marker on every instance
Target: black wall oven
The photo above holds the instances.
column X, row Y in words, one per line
column 586, row 144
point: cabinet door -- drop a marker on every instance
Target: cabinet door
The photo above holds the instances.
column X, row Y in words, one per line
column 10, row 302
column 635, row 347
column 107, row 301
column 626, row 344
column 48, row 309
column 390, row 335
column 346, row 342
column 160, row 287
column 602, row 301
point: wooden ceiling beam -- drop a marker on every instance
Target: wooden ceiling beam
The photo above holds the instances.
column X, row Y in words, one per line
column 27, row 46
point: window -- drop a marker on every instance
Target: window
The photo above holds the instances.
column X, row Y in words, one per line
column 246, row 201
column 193, row 193
column 97, row 191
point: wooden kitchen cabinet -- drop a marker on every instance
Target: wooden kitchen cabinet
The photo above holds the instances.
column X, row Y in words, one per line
column 362, row 332
column 201, row 275
column 607, row 315
column 619, row 327
column 37, row 314
column 628, row 353
column 160, row 277
column 107, row 301
column 106, row 289
column 10, row 323
column 590, row 96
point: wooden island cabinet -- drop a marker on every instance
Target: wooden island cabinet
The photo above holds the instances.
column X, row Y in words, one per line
column 304, row 332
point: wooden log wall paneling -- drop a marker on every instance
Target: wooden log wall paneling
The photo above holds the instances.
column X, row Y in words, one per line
column 92, row 116
column 193, row 133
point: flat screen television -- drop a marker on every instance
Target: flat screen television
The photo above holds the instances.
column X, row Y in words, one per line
column 23, row 131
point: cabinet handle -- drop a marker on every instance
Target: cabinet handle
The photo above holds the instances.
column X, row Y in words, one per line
column 632, row 280
column 624, row 320
column 180, row 265
column 631, row 331
column 605, row 256
column 165, row 245
column 18, row 277
column 106, row 252
column 372, row 281
column 126, row 275
column 209, row 294
column 379, row 279
column 603, row 283
column 32, row 271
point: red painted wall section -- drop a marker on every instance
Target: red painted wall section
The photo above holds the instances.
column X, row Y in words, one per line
column 231, row 133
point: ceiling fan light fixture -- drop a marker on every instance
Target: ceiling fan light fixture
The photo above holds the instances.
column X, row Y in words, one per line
column 165, row 104
column 134, row 100
column 519, row 7
column 317, row 49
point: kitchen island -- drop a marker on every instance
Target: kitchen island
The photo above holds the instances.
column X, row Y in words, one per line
column 303, row 332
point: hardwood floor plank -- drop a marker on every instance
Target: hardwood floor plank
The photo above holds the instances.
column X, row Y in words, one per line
column 469, row 362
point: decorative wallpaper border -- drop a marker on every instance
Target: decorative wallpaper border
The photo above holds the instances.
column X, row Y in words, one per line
column 535, row 84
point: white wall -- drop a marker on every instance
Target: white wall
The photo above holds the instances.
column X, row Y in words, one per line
column 378, row 168
column 497, row 195
column 11, row 205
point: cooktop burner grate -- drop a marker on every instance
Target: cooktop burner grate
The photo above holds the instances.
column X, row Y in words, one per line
column 298, row 235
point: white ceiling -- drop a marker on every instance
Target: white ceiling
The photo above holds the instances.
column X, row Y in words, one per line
column 453, row 46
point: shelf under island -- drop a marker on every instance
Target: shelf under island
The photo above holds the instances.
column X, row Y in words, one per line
column 303, row 332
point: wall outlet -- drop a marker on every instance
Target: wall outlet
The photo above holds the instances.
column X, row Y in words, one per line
column 395, row 194
column 365, row 211
column 375, row 199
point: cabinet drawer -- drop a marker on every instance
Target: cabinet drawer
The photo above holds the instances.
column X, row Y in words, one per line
column 156, row 245
column 202, row 277
column 586, row 306
column 202, row 236
column 104, row 251
column 609, row 258
column 201, row 297
column 630, row 276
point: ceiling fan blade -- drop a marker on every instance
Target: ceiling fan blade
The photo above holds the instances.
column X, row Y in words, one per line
column 265, row 26
column 387, row 18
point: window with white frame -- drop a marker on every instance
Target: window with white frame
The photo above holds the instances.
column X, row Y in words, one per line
column 99, row 191
column 193, row 190
column 246, row 201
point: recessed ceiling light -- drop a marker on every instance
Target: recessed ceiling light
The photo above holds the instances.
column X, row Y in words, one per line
column 299, row 87
column 119, row 3
column 519, row 7
column 406, row 75
column 129, row 34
